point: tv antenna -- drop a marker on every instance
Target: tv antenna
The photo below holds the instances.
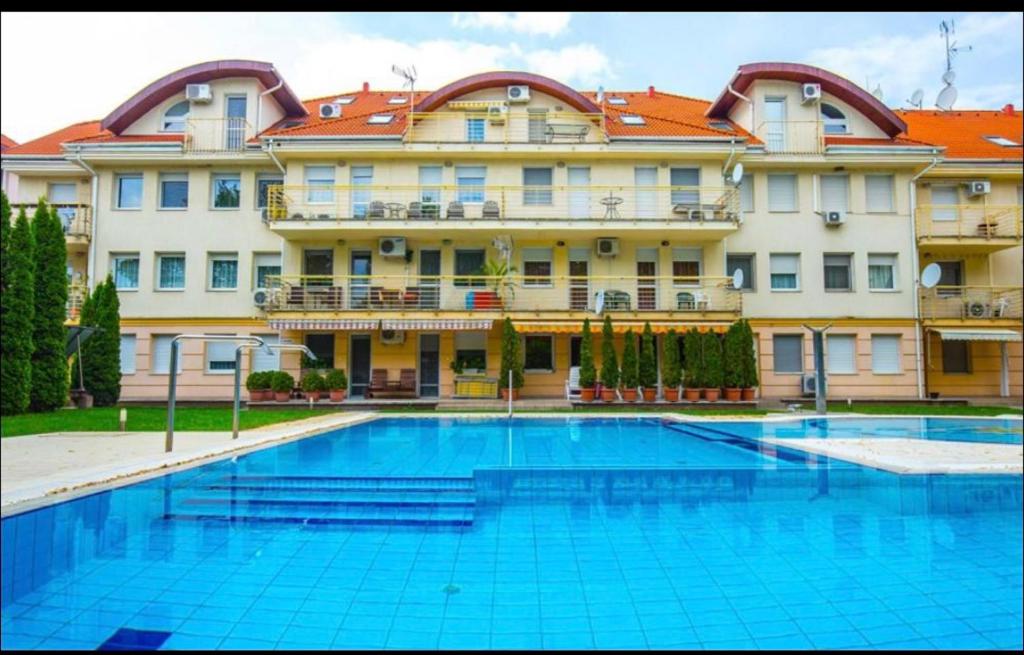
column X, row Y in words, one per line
column 409, row 75
column 945, row 31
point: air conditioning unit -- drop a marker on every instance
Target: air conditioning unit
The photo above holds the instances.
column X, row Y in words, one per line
column 607, row 247
column 833, row 218
column 975, row 309
column 979, row 187
column 496, row 114
column 260, row 298
column 809, row 384
column 810, row 92
column 391, row 247
column 392, row 336
column 519, row 93
column 330, row 110
column 198, row 93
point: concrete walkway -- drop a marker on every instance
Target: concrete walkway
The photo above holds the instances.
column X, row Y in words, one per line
column 32, row 468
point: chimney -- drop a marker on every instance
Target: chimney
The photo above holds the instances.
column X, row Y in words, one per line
column 650, row 92
column 1008, row 109
column 366, row 87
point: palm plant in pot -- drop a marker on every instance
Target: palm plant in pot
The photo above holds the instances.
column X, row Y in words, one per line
column 713, row 373
column 588, row 374
column 749, row 362
column 732, row 364
column 511, row 360
column 282, row 384
column 671, row 372
column 648, row 368
column 694, row 365
column 337, row 384
column 498, row 274
column 630, row 372
column 609, row 362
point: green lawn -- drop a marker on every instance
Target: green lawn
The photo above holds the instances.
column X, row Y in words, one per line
column 917, row 409
column 187, row 419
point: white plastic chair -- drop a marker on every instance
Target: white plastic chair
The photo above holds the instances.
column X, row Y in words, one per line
column 572, row 385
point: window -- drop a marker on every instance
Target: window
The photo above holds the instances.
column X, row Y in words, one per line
column 380, row 119
column 223, row 271
column 721, row 125
column 263, row 184
column 475, row 130
column 345, row 100
column 782, row 192
column 469, row 262
column 220, row 356
column 537, row 186
column 264, row 264
column 173, row 190
column 630, row 119
column 125, row 268
column 944, row 203
column 469, row 181
column 430, row 191
column 616, row 100
column 881, row 272
column 775, row 124
column 785, row 272
column 956, row 357
column 397, row 100
column 685, row 185
column 686, row 264
column 842, row 353
column 879, row 190
column 575, row 343
column 127, row 354
column 837, row 273
column 885, row 353
column 471, row 350
column 170, row 272
column 175, row 117
column 537, row 267
column 744, row 263
column 835, row 193
column 1003, row 141
column 788, row 354
column 833, row 119
column 322, row 346
column 539, row 352
column 261, row 360
column 747, row 194
column 319, row 183
column 227, row 190
column 537, row 125
column 129, row 191
column 160, row 353
column 362, row 180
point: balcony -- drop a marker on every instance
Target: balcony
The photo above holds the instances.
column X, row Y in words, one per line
column 75, row 217
column 310, row 211
column 792, row 137
column 694, row 298
column 216, row 135
column 968, row 229
column 77, row 294
column 972, row 304
column 477, row 127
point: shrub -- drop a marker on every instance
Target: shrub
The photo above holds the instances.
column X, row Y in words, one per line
column 511, row 357
column 609, row 362
column 101, row 354
column 693, row 350
column 630, row 377
column 258, row 381
column 588, row 374
column 313, row 381
column 749, row 359
column 732, row 356
column 336, row 380
column 17, row 309
column 671, row 372
column 49, row 364
column 282, row 381
column 648, row 367
column 712, row 369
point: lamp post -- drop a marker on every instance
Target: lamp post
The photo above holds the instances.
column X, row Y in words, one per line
column 238, row 372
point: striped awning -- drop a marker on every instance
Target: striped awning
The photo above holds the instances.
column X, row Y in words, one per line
column 618, row 327
column 979, row 334
column 323, row 323
column 435, row 324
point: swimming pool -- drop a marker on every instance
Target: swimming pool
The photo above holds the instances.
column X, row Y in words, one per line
column 1008, row 431
column 555, row 533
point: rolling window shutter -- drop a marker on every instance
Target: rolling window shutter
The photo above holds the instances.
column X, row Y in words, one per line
column 160, row 352
column 879, row 193
column 885, row 353
column 264, row 362
column 834, row 193
column 127, row 353
column 781, row 193
column 842, row 353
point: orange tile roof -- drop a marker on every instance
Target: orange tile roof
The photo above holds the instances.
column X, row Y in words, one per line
column 898, row 140
column 7, row 142
column 49, row 144
column 963, row 132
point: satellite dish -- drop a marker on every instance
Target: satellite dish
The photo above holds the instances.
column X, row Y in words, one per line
column 737, row 278
column 737, row 174
column 599, row 302
column 930, row 275
column 600, row 94
column 915, row 100
column 946, row 98
column 949, row 76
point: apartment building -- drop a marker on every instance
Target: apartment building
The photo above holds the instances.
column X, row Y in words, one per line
column 369, row 225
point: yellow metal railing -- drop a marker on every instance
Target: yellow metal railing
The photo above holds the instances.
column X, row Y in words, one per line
column 75, row 217
column 971, row 302
column 216, row 135
column 695, row 204
column 792, row 137
column 505, row 125
column 77, row 293
column 969, row 222
column 689, row 295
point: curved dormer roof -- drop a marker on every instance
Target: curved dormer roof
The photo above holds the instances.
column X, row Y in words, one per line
column 155, row 93
column 868, row 105
column 507, row 78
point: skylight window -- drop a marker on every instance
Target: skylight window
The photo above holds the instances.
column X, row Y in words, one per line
column 347, row 100
column 397, row 100
column 616, row 100
column 1003, row 141
column 631, row 119
column 380, row 119
column 721, row 125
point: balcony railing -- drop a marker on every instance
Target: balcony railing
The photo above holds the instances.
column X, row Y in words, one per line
column 974, row 222
column 213, row 135
column 474, row 293
column 75, row 217
column 510, row 126
column 76, row 296
column 792, row 137
column 481, row 202
column 971, row 302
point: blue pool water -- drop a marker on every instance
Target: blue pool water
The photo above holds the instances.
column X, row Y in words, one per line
column 1008, row 431
column 555, row 533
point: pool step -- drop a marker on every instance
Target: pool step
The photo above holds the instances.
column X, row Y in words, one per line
column 407, row 483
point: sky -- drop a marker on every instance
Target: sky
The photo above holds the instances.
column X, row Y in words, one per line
column 87, row 64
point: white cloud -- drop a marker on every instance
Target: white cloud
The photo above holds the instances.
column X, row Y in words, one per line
column 990, row 96
column 548, row 23
column 582, row 63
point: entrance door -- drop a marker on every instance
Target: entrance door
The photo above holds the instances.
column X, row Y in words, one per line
column 430, row 285
column 320, row 265
column 64, row 193
column 646, row 180
column 944, row 203
column 359, row 364
column 646, row 282
column 579, row 192
column 361, row 265
column 235, row 132
column 952, row 276
column 775, row 124
column 579, row 280
column 430, row 365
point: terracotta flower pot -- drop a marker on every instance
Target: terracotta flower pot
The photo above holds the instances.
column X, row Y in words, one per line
column 587, row 395
column 748, row 393
column 711, row 395
column 733, row 394
column 692, row 394
column 282, row 396
column 261, row 395
column 313, row 395
column 607, row 395
column 515, row 394
column 671, row 394
column 337, row 395
column 650, row 395
column 629, row 395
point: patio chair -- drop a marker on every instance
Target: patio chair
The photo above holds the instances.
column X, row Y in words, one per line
column 376, row 209
column 572, row 385
column 685, row 301
column 407, row 382
column 415, row 210
column 456, row 210
column 378, row 382
column 490, row 210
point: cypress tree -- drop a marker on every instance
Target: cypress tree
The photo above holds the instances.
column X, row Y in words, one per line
column 102, row 362
column 694, row 359
column 670, row 371
column 712, row 349
column 49, row 365
column 648, row 368
column 5, row 238
column 18, row 307
column 750, row 378
column 732, row 352
column 588, row 374
column 630, row 376
column 511, row 357
column 609, row 362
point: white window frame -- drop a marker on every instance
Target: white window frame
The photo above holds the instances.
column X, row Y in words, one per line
column 319, row 184
column 632, row 119
column 171, row 177
column 843, row 122
column 220, row 257
column 539, row 195
column 158, row 366
column 690, row 254
column 460, row 188
column 133, row 340
column 552, row 340
column 772, row 257
column 214, row 177
column 258, row 261
column 899, row 354
column 845, row 180
column 380, row 119
column 890, row 180
column 895, row 272
column 849, row 272
column 266, row 177
column 227, row 347
column 471, row 123
column 832, row 366
column 118, row 256
column 117, row 190
column 796, row 193
column 183, row 119
column 159, row 259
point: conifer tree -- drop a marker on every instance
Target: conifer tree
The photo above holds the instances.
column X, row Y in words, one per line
column 18, row 307
column 49, row 389
column 102, row 359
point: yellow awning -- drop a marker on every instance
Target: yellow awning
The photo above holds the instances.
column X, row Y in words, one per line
column 619, row 327
column 435, row 324
column 979, row 334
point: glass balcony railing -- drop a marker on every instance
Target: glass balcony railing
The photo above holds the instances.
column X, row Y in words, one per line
column 969, row 222
column 971, row 302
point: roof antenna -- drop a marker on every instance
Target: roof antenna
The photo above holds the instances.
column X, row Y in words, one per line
column 409, row 74
column 948, row 94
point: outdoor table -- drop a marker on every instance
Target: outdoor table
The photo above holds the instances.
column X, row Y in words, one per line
column 611, row 206
column 395, row 209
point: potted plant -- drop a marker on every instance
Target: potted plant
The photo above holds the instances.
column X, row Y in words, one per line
column 711, row 347
column 630, row 374
column 337, row 384
column 732, row 362
column 749, row 360
column 609, row 362
column 671, row 372
column 694, row 365
column 647, row 370
column 282, row 384
column 456, row 366
column 312, row 384
column 256, row 383
column 511, row 360
column 588, row 374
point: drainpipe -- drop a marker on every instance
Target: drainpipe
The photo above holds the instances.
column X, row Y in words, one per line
column 259, row 100
column 915, row 262
column 743, row 97
column 90, row 270
column 270, row 151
